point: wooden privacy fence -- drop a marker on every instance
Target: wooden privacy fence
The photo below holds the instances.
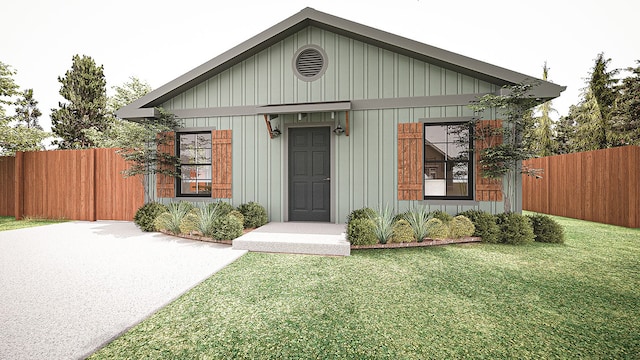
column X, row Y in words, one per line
column 600, row 185
column 68, row 184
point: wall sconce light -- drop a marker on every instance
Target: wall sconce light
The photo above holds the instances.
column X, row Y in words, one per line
column 276, row 132
column 338, row 130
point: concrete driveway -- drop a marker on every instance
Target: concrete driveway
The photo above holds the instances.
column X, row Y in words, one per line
column 68, row 289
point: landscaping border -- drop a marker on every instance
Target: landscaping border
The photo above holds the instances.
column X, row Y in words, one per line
column 426, row 242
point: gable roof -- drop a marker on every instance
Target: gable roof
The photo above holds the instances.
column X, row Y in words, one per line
column 143, row 107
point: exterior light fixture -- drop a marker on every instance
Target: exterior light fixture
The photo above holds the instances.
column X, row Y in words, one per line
column 338, row 130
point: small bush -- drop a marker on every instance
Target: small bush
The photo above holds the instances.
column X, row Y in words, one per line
column 437, row 229
column 175, row 219
column 187, row 205
column 417, row 218
column 402, row 232
column 364, row 213
column 146, row 215
column 255, row 215
column 360, row 232
column 515, row 229
column 227, row 227
column 222, row 208
column 237, row 214
column 189, row 223
column 400, row 216
column 460, row 226
column 485, row 224
column 442, row 216
column 545, row 229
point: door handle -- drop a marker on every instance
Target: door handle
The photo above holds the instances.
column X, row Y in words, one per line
column 327, row 179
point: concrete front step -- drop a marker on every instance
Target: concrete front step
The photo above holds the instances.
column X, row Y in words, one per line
column 296, row 238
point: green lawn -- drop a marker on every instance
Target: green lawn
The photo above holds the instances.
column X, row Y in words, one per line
column 10, row 223
column 577, row 300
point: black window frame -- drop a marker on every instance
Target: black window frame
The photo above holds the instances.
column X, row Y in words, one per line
column 446, row 163
column 179, row 180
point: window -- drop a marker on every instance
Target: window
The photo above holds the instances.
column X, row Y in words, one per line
column 447, row 164
column 195, row 167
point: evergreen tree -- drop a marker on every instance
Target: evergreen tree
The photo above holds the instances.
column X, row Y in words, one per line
column 27, row 112
column 543, row 143
column 84, row 87
column 591, row 127
column 602, row 87
column 565, row 133
column 626, row 114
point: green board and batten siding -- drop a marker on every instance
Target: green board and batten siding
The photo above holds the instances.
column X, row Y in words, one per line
column 365, row 170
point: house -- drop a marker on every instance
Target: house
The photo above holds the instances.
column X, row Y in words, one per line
column 318, row 116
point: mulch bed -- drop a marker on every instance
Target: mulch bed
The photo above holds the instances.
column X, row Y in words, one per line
column 203, row 238
column 426, row 242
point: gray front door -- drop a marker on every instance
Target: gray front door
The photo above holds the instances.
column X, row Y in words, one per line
column 309, row 174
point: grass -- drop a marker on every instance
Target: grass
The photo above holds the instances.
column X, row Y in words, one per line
column 10, row 222
column 577, row 300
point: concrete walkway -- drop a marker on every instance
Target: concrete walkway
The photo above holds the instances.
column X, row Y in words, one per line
column 68, row 289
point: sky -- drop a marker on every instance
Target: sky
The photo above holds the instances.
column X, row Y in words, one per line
column 159, row 40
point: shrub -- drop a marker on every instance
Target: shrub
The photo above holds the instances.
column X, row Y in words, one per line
column 360, row 232
column 417, row 218
column 383, row 221
column 437, row 229
column 485, row 224
column 175, row 219
column 187, row 205
column 402, row 232
column 239, row 215
column 460, row 226
column 441, row 215
column 400, row 216
column 364, row 213
column 255, row 215
column 515, row 229
column 222, row 208
column 146, row 215
column 226, row 227
column 206, row 215
column 545, row 229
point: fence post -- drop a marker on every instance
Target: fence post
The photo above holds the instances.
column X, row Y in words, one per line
column 18, row 205
column 94, row 190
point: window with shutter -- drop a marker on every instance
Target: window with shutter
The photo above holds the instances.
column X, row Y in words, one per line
column 487, row 189
column 221, row 161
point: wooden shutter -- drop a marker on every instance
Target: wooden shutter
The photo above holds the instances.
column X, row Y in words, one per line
column 221, row 171
column 165, row 185
column 486, row 189
column 410, row 161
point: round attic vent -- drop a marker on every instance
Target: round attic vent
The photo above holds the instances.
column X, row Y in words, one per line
column 309, row 63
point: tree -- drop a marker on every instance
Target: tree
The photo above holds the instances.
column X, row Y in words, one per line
column 591, row 126
column 18, row 137
column 601, row 87
column 84, row 87
column 565, row 133
column 626, row 114
column 127, row 93
column 27, row 112
column 139, row 144
column 543, row 143
column 504, row 160
column 8, row 88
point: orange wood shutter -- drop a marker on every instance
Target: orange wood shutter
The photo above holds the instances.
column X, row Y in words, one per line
column 486, row 189
column 165, row 185
column 221, row 171
column 410, row 163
